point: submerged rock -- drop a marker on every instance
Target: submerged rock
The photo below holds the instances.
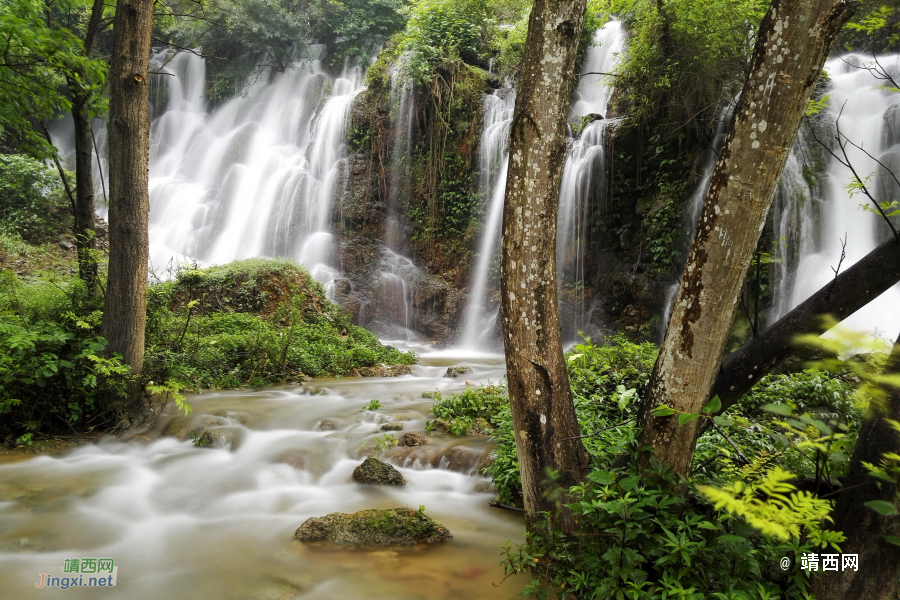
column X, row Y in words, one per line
column 391, row 527
column 375, row 472
column 392, row 426
column 457, row 371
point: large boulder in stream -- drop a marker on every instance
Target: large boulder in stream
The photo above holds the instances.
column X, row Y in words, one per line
column 391, row 527
column 375, row 472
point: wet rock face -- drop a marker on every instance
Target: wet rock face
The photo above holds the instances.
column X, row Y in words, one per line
column 374, row 472
column 392, row 527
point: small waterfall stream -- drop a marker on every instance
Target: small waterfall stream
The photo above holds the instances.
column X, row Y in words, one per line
column 493, row 162
column 812, row 217
column 581, row 188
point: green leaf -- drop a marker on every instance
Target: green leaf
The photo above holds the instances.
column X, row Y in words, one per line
column 882, row 507
column 778, row 409
column 684, row 418
column 602, row 477
column 630, row 482
column 722, row 421
column 663, row 411
column 713, row 406
column 892, row 539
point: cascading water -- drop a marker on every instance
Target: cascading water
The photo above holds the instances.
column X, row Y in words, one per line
column 578, row 191
column 257, row 177
column 493, row 162
column 583, row 185
column 814, row 220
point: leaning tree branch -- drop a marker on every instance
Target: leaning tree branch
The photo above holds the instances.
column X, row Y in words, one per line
column 848, row 292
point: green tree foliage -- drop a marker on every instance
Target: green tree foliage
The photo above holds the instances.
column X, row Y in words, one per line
column 441, row 30
column 37, row 60
column 32, row 202
column 684, row 57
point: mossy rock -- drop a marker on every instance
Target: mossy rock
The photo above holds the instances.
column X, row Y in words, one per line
column 457, row 371
column 391, row 527
column 375, row 472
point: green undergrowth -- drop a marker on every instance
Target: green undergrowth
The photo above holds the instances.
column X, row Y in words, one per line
column 254, row 322
column 745, row 507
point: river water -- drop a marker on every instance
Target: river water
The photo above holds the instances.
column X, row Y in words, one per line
column 182, row 521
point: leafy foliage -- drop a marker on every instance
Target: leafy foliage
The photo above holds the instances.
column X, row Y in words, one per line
column 32, row 204
column 37, row 61
column 54, row 373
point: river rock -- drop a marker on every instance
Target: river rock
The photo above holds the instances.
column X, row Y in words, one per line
column 392, row 426
column 412, row 439
column 392, row 527
column 375, row 472
column 457, row 371
column 384, row 371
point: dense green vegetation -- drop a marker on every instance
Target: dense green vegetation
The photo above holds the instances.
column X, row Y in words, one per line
column 754, row 497
column 254, row 322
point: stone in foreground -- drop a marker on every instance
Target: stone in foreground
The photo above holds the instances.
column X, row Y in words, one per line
column 391, row 527
column 375, row 472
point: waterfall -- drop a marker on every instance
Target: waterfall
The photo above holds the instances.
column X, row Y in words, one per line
column 813, row 220
column 583, row 179
column 258, row 175
column 583, row 185
column 492, row 165
column 403, row 109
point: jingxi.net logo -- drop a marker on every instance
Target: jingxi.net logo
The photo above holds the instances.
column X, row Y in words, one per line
column 80, row 572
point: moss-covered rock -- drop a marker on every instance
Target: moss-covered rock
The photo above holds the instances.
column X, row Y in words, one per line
column 391, row 527
column 374, row 472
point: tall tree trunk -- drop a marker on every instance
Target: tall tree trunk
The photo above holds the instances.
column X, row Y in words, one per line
column 84, row 175
column 542, row 410
column 124, row 312
column 791, row 47
column 879, row 560
column 874, row 274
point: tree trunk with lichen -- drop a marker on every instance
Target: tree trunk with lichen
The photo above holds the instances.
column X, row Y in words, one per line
column 550, row 458
column 792, row 44
column 125, row 306
column 878, row 559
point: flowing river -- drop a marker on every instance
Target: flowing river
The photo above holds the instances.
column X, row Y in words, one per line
column 182, row 521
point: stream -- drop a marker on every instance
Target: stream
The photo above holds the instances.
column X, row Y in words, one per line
column 182, row 521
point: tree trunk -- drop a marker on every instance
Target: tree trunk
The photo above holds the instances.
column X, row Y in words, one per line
column 84, row 193
column 84, row 175
column 850, row 291
column 791, row 47
column 542, row 410
column 124, row 312
column 879, row 560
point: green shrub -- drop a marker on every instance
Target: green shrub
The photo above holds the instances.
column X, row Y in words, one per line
column 53, row 369
column 475, row 410
column 640, row 538
column 32, row 202
column 438, row 30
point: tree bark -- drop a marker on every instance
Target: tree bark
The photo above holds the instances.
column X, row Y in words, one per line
column 848, row 292
column 879, row 560
column 124, row 312
column 84, row 175
column 791, row 47
column 542, row 410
